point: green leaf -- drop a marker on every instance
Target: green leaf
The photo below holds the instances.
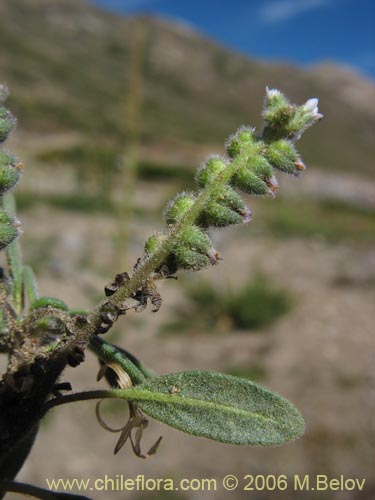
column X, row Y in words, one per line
column 43, row 302
column 221, row 407
column 31, row 285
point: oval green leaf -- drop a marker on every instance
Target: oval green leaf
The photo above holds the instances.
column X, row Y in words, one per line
column 220, row 407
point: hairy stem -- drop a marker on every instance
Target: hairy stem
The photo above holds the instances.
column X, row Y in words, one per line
column 14, row 258
column 149, row 264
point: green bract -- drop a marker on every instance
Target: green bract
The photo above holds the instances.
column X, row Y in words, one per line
column 190, row 259
column 242, row 139
column 250, row 183
column 283, row 155
column 153, row 242
column 10, row 172
column 195, row 239
column 210, row 170
column 178, row 208
column 7, row 122
column 218, row 215
column 8, row 229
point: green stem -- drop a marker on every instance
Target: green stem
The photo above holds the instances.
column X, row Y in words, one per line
column 87, row 396
column 149, row 264
column 14, row 258
column 153, row 261
column 145, row 395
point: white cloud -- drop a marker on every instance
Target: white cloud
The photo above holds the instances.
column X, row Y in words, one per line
column 278, row 11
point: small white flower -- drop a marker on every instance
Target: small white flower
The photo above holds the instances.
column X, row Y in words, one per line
column 272, row 93
column 311, row 106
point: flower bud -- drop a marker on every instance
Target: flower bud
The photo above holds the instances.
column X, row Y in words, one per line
column 305, row 116
column 177, row 208
column 7, row 122
column 249, row 182
column 231, row 199
column 44, row 302
column 153, row 242
column 10, row 171
column 195, row 238
column 311, row 106
column 258, row 164
column 277, row 109
column 283, row 155
column 189, row 259
column 218, row 215
column 209, row 170
column 274, row 98
column 194, row 250
column 242, row 139
column 9, row 229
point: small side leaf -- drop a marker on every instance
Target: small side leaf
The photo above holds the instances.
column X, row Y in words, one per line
column 221, row 407
column 31, row 285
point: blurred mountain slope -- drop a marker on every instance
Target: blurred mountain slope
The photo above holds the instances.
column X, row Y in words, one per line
column 66, row 64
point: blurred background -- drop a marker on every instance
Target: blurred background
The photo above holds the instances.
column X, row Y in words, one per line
column 118, row 102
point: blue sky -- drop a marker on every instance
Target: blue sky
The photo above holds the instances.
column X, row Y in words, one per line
column 301, row 31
